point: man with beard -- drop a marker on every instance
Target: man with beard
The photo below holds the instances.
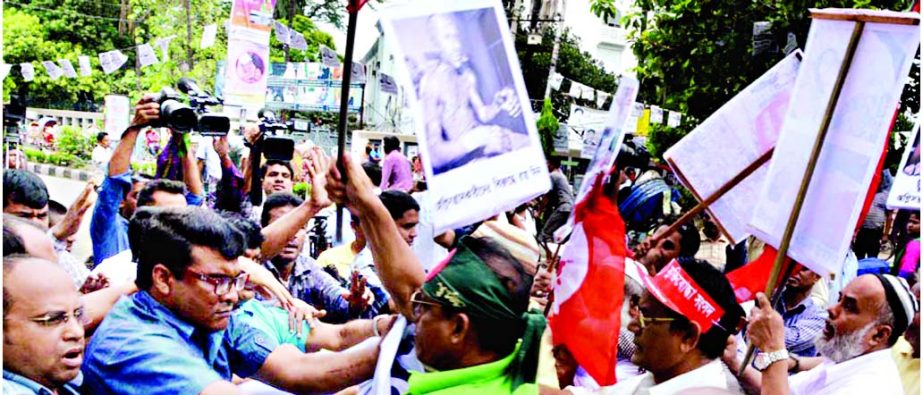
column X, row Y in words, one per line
column 42, row 328
column 872, row 312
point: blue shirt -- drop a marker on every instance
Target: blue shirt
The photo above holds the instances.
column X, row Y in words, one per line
column 108, row 228
column 143, row 348
column 803, row 324
column 14, row 384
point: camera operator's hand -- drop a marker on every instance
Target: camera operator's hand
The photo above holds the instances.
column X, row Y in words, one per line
column 354, row 188
column 222, row 147
column 146, row 111
column 252, row 133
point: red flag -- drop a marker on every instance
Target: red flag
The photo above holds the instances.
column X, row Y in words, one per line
column 355, row 5
column 752, row 277
column 589, row 291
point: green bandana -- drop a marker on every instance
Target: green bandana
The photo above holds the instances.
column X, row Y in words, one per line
column 466, row 283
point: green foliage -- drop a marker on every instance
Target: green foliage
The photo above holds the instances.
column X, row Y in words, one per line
column 148, row 168
column 312, row 35
column 74, row 142
column 661, row 137
column 547, row 125
column 301, row 189
column 53, row 158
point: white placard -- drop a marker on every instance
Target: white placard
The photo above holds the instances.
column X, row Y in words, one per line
column 208, row 36
column 283, row 34
column 84, row 62
column 54, row 72
column 298, row 42
column 601, row 98
column 905, row 192
column 631, row 124
column 481, row 150
column 656, row 115
column 146, row 55
column 112, row 61
column 116, row 114
column 854, row 141
column 68, row 68
column 329, row 57
column 589, row 123
column 731, row 139
column 556, row 80
column 27, row 70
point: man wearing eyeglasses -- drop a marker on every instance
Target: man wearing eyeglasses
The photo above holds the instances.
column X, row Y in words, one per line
column 42, row 328
column 177, row 334
column 681, row 327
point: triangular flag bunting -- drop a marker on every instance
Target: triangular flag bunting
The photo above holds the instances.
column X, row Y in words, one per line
column 146, row 55
column 27, row 70
column 53, row 70
column 208, row 36
column 68, row 68
column 84, row 62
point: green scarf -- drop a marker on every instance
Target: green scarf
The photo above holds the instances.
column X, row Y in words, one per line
column 466, row 283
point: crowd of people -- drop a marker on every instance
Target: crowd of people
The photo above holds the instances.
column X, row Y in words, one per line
column 193, row 287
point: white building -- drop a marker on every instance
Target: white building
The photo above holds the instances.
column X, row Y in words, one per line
column 383, row 111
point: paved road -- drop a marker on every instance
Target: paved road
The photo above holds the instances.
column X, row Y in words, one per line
column 65, row 191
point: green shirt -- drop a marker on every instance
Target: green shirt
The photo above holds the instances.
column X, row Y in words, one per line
column 489, row 378
column 271, row 320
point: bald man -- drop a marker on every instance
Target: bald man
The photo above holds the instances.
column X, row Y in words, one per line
column 43, row 335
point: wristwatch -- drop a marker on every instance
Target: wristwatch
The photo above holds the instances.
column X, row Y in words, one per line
column 765, row 359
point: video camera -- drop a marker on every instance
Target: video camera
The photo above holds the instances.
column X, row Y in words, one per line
column 182, row 118
column 274, row 144
column 14, row 114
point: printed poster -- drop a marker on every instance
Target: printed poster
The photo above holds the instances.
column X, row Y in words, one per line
column 905, row 193
column 853, row 145
column 116, row 114
column 476, row 131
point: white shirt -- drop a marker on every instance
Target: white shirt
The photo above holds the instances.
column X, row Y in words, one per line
column 710, row 375
column 873, row 373
column 100, row 156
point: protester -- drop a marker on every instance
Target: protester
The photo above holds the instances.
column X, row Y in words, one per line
column 43, row 334
column 371, row 164
column 677, row 341
column 559, row 201
column 872, row 312
column 395, row 170
column 416, row 165
column 177, row 334
column 471, row 328
column 119, row 191
column 101, row 153
column 907, row 258
column 340, row 259
column 876, row 227
column 25, row 196
column 804, row 320
column 405, row 212
column 906, row 352
column 303, row 277
column 661, row 248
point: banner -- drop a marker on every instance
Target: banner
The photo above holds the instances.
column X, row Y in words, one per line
column 589, row 123
column 68, row 68
column 656, row 115
column 601, row 98
column 477, row 165
column 853, row 146
column 164, row 45
column 387, row 84
column 328, row 57
column 208, row 36
column 556, row 80
column 309, row 87
column 84, row 62
column 146, row 55
column 283, row 34
column 357, row 73
column 298, row 42
column 673, row 119
column 631, row 124
column 905, row 192
column 112, row 61
column 246, row 72
column 644, row 122
column 27, row 70
column 253, row 15
column 730, row 140
column 54, row 72
column 116, row 114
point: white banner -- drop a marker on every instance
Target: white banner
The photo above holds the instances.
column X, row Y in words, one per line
column 283, row 34
column 116, row 114
column 329, row 57
column 112, row 61
column 357, row 73
column 656, row 115
column 601, row 98
column 146, row 55
column 852, row 148
column 164, row 45
column 905, row 193
column 476, row 165
column 54, row 72
column 68, row 68
column 556, row 80
column 85, row 69
column 27, row 70
column 208, row 36
column 589, row 123
column 298, row 42
column 731, row 139
column 674, row 119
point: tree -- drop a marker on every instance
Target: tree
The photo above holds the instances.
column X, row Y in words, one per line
column 547, row 125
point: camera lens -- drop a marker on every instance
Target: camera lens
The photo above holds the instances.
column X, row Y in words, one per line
column 178, row 116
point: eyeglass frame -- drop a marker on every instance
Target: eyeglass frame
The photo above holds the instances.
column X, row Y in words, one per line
column 652, row 320
column 48, row 320
column 416, row 300
column 240, row 282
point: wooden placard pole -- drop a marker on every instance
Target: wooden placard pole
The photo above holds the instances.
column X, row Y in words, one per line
column 704, row 204
column 809, row 173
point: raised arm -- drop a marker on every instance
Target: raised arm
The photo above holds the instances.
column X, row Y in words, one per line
column 191, row 175
column 146, row 111
column 399, row 269
column 277, row 234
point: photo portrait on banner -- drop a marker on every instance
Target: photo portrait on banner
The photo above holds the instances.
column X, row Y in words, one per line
column 471, row 107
